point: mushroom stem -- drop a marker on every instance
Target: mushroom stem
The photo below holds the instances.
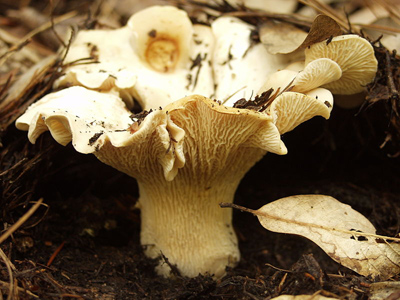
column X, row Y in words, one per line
column 187, row 210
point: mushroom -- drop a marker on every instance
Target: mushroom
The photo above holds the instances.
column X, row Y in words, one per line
column 158, row 57
column 187, row 158
column 191, row 154
column 354, row 55
column 317, row 73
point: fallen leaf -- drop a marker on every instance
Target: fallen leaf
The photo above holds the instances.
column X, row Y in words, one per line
column 383, row 290
column 284, row 38
column 343, row 233
column 322, row 28
column 281, row 37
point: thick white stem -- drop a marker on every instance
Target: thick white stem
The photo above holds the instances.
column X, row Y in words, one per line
column 182, row 220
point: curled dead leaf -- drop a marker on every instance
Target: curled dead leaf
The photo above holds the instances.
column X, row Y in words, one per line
column 343, row 233
column 322, row 28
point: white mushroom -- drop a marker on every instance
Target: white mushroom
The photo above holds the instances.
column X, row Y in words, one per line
column 291, row 109
column 354, row 55
column 180, row 188
column 191, row 155
column 157, row 58
column 187, row 158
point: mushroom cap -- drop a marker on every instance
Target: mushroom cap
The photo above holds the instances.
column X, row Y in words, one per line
column 317, row 73
column 105, row 62
column 354, row 55
column 154, row 89
column 91, row 120
column 290, row 109
column 240, row 66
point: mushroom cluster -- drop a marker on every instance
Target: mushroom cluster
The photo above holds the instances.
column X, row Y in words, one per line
column 187, row 152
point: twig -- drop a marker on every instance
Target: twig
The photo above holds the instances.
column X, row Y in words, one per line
column 14, row 166
column 22, row 290
column 52, row 25
column 53, row 256
column 278, row 269
column 23, row 41
column 22, row 220
column 326, row 10
column 10, row 274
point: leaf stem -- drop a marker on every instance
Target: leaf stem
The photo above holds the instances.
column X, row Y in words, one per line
column 241, row 208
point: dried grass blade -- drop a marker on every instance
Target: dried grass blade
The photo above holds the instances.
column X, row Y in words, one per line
column 22, row 220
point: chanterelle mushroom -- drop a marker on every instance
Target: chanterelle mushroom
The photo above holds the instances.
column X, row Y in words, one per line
column 187, row 157
column 353, row 54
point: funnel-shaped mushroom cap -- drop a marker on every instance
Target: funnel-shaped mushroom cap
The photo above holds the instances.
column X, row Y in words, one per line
column 240, row 66
column 193, row 74
column 291, row 108
column 356, row 59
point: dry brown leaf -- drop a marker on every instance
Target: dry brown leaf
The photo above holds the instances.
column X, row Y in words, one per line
column 322, row 28
column 383, row 290
column 343, row 233
column 285, row 38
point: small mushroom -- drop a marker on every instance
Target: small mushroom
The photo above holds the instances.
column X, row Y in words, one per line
column 291, row 109
column 317, row 73
column 356, row 59
column 159, row 56
column 163, row 36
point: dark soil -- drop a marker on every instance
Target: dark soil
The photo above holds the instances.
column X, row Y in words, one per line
column 85, row 244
